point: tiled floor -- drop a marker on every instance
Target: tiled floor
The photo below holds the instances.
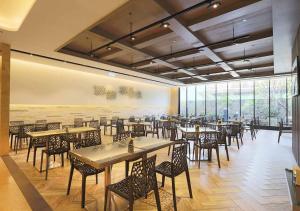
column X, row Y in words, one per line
column 253, row 179
column 11, row 197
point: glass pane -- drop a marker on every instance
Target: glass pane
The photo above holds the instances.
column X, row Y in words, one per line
column 247, row 100
column 277, row 100
column 290, row 80
column 234, row 100
column 183, row 101
column 200, row 100
column 262, row 101
column 222, row 101
column 191, row 101
column 211, row 101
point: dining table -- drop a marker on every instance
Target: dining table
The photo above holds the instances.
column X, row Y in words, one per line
column 104, row 156
column 76, row 130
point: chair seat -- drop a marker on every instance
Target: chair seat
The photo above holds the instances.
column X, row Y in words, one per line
column 164, row 168
column 56, row 152
column 86, row 169
column 122, row 188
column 39, row 145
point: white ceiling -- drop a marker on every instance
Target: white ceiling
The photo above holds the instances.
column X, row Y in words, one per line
column 51, row 23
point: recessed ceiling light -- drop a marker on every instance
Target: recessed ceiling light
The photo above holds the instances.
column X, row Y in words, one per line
column 214, row 4
column 132, row 38
column 165, row 24
column 108, row 48
column 244, row 20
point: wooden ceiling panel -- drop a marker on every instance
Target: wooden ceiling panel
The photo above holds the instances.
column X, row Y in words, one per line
column 201, row 26
column 256, row 23
column 143, row 12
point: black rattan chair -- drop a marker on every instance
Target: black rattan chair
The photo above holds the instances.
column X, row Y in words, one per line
column 103, row 122
column 94, row 124
column 55, row 145
column 221, row 138
column 22, row 135
column 138, row 130
column 154, row 129
column 174, row 168
column 141, row 181
column 209, row 142
column 78, row 122
column 92, row 138
column 53, row 126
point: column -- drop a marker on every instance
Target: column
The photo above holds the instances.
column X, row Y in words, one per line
column 4, row 97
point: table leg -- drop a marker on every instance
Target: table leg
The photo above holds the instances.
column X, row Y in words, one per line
column 107, row 181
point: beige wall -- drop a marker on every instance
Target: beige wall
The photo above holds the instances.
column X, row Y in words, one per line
column 40, row 91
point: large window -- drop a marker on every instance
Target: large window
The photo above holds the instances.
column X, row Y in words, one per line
column 183, row 101
column 234, row 99
column 267, row 99
column 200, row 97
column 278, row 101
column 191, row 101
column 211, row 101
column 247, row 100
column 222, row 111
column 262, row 101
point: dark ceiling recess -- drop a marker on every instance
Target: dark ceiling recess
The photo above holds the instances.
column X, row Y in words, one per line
column 180, row 39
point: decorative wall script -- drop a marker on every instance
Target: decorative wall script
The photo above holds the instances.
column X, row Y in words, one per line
column 122, row 90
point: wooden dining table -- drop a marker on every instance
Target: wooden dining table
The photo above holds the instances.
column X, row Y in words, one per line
column 39, row 134
column 104, row 156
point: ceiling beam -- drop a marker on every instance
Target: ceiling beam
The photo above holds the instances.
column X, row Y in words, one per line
column 190, row 37
column 124, row 45
column 230, row 61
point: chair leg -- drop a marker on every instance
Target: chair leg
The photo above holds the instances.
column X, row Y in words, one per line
column 187, row 174
column 241, row 140
column 47, row 165
column 62, row 160
column 105, row 198
column 169, row 150
column 199, row 157
column 42, row 159
column 34, row 155
column 28, row 152
column 218, row 157
column 11, row 140
column 163, row 181
column 70, row 178
column 96, row 179
column 237, row 142
column 226, row 149
column 83, row 191
column 126, row 168
column 174, row 194
column 131, row 205
column 279, row 137
column 157, row 199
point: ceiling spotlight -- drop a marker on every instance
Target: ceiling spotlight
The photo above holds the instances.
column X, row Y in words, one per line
column 108, row 48
column 132, row 38
column 165, row 24
column 244, row 20
column 214, row 4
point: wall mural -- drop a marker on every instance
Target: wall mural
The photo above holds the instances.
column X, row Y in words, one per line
column 112, row 94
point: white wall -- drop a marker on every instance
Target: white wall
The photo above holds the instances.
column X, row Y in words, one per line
column 41, row 91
